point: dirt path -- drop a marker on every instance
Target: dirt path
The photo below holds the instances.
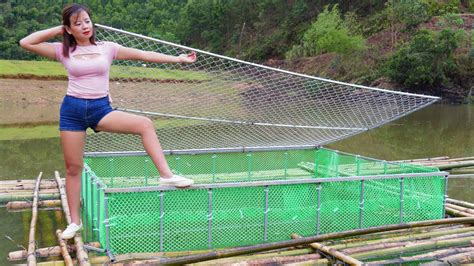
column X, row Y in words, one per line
column 30, row 101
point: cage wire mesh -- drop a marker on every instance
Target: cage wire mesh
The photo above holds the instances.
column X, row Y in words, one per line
column 221, row 102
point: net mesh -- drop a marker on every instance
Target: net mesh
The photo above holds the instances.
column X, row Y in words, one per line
column 220, row 216
column 220, row 102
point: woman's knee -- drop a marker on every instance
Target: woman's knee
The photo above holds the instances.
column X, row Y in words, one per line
column 146, row 125
column 74, row 169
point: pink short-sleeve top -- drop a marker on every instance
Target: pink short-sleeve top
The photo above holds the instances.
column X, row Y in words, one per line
column 88, row 68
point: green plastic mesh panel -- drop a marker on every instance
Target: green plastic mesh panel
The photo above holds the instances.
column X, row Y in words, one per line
column 133, row 219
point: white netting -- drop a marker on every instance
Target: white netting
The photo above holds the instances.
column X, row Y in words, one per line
column 220, row 102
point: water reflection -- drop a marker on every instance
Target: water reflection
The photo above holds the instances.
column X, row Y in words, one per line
column 439, row 130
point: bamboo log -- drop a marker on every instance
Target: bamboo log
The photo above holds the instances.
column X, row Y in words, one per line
column 28, row 192
column 460, row 203
column 333, row 252
column 26, row 187
column 19, row 205
column 54, row 251
column 4, row 198
column 416, row 247
column 455, row 165
column 64, row 252
column 31, row 259
column 80, row 252
column 460, row 208
column 403, row 237
column 24, row 181
column 305, row 240
column 435, row 255
column 239, row 259
column 458, row 213
column 422, row 159
column 462, row 258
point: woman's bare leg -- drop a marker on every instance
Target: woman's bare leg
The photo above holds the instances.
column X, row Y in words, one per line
column 121, row 122
column 72, row 143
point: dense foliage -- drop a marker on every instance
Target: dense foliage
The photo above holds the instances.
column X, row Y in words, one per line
column 419, row 53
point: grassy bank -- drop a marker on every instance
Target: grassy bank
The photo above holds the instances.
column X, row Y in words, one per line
column 55, row 70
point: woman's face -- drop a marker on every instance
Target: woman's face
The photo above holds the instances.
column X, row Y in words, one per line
column 80, row 27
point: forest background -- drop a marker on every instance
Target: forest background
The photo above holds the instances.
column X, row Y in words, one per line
column 421, row 46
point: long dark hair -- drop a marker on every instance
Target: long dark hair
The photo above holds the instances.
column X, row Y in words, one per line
column 68, row 40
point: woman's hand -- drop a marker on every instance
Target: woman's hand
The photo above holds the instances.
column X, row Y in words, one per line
column 187, row 58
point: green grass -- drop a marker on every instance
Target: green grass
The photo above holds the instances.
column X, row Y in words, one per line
column 36, row 68
column 29, row 132
column 56, row 69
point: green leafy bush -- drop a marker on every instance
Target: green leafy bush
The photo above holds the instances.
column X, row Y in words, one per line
column 329, row 33
column 425, row 61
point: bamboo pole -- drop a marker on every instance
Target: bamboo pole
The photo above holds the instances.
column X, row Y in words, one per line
column 80, row 252
column 260, row 256
column 422, row 159
column 460, row 203
column 24, row 181
column 64, row 252
column 26, row 187
column 461, row 258
column 403, row 237
column 54, row 251
column 458, row 213
column 4, row 198
column 460, row 208
column 305, row 240
column 27, row 192
column 333, row 252
column 426, row 256
column 19, row 205
column 31, row 259
column 415, row 247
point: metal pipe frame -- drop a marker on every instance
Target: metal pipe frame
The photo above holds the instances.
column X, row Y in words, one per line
column 445, row 194
column 162, row 213
column 265, row 217
column 402, row 197
column 209, row 218
column 318, row 209
column 250, row 123
column 303, row 180
column 107, row 232
column 361, row 203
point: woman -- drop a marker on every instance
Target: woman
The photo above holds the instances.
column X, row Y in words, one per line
column 87, row 102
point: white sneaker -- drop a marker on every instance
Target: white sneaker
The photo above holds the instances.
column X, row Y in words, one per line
column 71, row 231
column 176, row 181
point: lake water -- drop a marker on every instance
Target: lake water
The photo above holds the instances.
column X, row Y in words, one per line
column 438, row 130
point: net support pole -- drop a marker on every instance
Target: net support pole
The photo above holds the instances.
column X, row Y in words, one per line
column 446, row 176
column 265, row 220
column 107, row 229
column 97, row 203
column 318, row 208
column 209, row 218
column 402, row 197
column 162, row 195
column 361, row 203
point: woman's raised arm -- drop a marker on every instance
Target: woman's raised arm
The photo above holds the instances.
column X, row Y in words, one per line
column 36, row 42
column 125, row 53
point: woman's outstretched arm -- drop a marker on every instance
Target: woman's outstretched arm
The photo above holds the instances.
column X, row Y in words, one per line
column 126, row 53
column 36, row 42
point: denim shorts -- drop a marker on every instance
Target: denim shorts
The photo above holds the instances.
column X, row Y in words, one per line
column 78, row 114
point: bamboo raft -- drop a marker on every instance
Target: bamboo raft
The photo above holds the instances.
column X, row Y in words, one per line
column 446, row 241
